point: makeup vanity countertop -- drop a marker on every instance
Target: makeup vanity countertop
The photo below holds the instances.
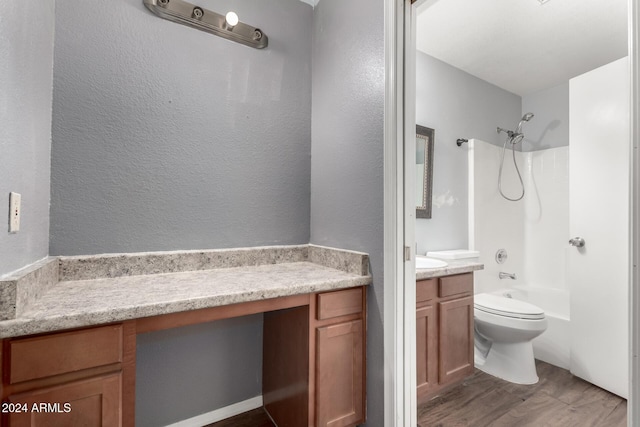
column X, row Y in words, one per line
column 91, row 290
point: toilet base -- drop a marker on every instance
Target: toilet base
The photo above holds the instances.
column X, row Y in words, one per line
column 513, row 362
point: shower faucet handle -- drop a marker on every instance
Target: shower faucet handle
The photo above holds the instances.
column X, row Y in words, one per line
column 578, row 242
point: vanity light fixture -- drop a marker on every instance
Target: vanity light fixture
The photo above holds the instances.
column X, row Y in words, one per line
column 197, row 17
column 232, row 19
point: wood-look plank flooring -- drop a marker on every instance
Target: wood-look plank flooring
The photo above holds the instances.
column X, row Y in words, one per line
column 256, row 418
column 558, row 400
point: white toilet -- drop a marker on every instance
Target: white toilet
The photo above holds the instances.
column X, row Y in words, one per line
column 504, row 329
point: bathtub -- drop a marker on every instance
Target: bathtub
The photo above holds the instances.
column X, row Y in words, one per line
column 553, row 346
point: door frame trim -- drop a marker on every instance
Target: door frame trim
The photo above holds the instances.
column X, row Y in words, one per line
column 400, row 395
column 633, row 406
column 395, row 388
column 397, row 392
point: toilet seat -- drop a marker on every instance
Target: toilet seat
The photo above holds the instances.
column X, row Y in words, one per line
column 507, row 307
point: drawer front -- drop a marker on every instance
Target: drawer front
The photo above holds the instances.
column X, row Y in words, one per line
column 454, row 285
column 48, row 355
column 339, row 303
column 426, row 290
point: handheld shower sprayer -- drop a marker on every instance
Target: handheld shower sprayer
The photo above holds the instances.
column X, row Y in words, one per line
column 516, row 136
column 525, row 118
column 513, row 137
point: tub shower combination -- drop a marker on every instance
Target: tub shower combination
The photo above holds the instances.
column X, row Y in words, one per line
column 513, row 321
column 536, row 203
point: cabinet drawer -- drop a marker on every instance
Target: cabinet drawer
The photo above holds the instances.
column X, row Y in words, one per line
column 339, row 303
column 426, row 290
column 48, row 355
column 454, row 285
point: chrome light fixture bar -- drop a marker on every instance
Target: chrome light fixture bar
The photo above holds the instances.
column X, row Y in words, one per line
column 202, row 19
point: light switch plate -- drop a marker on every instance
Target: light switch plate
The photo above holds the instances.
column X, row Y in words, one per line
column 14, row 212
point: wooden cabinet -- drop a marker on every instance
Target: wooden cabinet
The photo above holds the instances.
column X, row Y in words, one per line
column 90, row 402
column 70, row 378
column 444, row 332
column 340, row 376
column 313, row 364
column 340, row 354
column 427, row 348
column 314, row 361
column 455, row 360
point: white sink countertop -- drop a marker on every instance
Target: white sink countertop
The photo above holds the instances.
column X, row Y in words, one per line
column 457, row 266
column 423, row 262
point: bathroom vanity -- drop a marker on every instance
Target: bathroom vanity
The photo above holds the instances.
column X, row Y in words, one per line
column 69, row 357
column 444, row 327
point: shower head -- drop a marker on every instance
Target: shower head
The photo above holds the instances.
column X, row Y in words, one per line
column 516, row 138
column 525, row 118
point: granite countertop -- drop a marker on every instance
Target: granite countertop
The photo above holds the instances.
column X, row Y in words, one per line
column 457, row 266
column 102, row 289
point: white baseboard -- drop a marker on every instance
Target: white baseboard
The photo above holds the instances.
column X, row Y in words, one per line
column 220, row 414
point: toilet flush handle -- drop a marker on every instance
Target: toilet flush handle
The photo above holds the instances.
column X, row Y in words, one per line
column 578, row 242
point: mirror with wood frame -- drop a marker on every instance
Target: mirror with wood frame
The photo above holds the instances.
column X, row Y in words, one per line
column 424, row 170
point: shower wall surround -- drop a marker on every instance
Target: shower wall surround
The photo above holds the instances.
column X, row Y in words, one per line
column 532, row 231
column 546, row 217
column 494, row 223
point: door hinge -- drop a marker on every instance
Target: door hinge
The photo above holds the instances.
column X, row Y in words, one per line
column 407, row 253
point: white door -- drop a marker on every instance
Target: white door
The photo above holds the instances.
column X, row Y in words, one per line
column 598, row 273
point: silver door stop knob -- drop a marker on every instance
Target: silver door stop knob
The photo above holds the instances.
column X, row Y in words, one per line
column 578, row 242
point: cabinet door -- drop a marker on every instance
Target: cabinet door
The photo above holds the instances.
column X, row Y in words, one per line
column 91, row 402
column 340, row 374
column 456, row 339
column 426, row 349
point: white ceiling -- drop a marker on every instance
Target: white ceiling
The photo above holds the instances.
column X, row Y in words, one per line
column 521, row 45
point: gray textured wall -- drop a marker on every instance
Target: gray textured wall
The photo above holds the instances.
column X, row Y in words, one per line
column 347, row 153
column 181, row 372
column 166, row 137
column 26, row 67
column 549, row 128
column 456, row 105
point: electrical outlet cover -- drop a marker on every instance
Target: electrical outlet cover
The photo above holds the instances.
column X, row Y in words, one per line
column 14, row 212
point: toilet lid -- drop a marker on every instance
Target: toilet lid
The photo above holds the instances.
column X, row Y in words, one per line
column 507, row 307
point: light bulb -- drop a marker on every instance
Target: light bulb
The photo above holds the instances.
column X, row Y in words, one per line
column 232, row 19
